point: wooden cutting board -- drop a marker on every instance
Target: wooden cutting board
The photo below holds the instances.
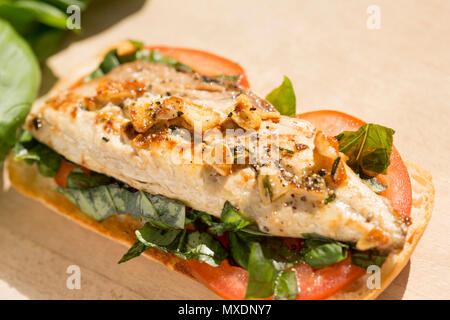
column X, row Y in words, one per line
column 398, row 76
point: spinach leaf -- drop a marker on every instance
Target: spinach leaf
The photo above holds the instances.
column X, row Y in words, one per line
column 100, row 202
column 364, row 259
column 19, row 82
column 185, row 244
column 283, row 98
column 45, row 41
column 64, row 4
column 35, row 10
column 319, row 253
column 31, row 151
column 369, row 148
column 286, row 286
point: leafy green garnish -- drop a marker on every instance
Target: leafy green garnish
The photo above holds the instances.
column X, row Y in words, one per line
column 364, row 259
column 185, row 244
column 267, row 185
column 41, row 22
column 323, row 253
column 32, row 151
column 330, row 198
column 283, row 98
column 78, row 179
column 373, row 183
column 112, row 59
column 19, row 83
column 266, row 259
column 234, row 79
column 261, row 274
column 102, row 201
column 134, row 252
column 286, row 287
column 231, row 220
column 368, row 149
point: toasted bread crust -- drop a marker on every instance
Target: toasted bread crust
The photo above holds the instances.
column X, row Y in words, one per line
column 121, row 228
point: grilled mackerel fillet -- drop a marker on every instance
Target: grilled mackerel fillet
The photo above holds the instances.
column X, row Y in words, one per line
column 163, row 130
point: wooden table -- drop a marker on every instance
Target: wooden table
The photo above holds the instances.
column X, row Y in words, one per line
column 398, row 76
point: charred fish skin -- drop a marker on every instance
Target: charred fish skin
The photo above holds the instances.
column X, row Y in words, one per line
column 139, row 124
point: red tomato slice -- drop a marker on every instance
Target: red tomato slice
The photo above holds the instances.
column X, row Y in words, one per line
column 230, row 282
column 205, row 63
column 324, row 282
column 64, row 170
column 397, row 179
column 226, row 281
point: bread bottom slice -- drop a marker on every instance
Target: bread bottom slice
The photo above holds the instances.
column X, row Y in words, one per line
column 121, row 228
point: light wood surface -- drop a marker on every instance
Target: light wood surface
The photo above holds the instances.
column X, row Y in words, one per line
column 398, row 76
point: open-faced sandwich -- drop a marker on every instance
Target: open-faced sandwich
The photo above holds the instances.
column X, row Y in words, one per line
column 167, row 150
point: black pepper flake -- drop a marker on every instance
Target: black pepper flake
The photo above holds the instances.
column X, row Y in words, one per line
column 266, row 229
column 168, row 93
column 180, row 113
column 105, row 139
column 322, row 172
column 37, row 124
column 230, row 114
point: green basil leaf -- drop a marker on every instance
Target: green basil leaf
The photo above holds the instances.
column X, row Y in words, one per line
column 286, row 286
column 112, row 60
column 31, row 151
column 78, row 179
column 369, row 148
column 261, row 274
column 230, row 220
column 364, row 259
column 185, row 244
column 275, row 249
column 49, row 161
column 283, row 98
column 265, row 258
column 234, row 79
column 374, row 184
column 155, row 56
column 135, row 251
column 102, row 201
column 239, row 248
column 19, row 83
column 318, row 253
